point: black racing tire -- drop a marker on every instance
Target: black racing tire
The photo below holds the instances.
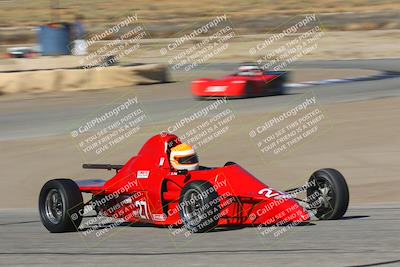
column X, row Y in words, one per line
column 281, row 90
column 329, row 194
column 279, row 84
column 282, row 86
column 61, row 206
column 200, row 207
column 199, row 98
column 248, row 91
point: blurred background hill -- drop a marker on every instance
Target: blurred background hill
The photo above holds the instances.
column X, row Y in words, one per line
column 164, row 18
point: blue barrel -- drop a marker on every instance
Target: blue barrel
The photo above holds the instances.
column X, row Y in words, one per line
column 55, row 39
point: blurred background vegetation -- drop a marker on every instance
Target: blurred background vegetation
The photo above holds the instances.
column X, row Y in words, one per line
column 164, row 18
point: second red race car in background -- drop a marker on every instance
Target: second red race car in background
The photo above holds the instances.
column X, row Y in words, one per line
column 249, row 81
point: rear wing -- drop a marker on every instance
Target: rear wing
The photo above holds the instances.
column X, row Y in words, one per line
column 103, row 166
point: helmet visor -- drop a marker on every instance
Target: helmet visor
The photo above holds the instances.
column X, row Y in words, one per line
column 191, row 159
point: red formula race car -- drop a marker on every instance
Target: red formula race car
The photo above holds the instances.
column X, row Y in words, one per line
column 249, row 81
column 148, row 189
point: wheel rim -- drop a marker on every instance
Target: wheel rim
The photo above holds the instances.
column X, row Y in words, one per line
column 325, row 201
column 193, row 204
column 54, row 206
column 325, row 190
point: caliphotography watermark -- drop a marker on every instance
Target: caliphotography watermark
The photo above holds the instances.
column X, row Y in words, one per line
column 289, row 43
column 207, row 124
column 202, row 211
column 110, row 127
column 107, row 48
column 199, row 44
column 286, row 210
column 104, row 214
column 282, row 132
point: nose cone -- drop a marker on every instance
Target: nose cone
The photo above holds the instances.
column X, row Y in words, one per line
column 279, row 211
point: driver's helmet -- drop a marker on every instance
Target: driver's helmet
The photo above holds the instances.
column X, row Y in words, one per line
column 183, row 157
column 249, row 70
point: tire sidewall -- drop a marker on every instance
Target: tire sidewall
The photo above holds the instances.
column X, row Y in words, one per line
column 72, row 204
column 340, row 193
column 207, row 222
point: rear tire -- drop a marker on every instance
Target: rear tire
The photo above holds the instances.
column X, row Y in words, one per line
column 281, row 90
column 61, row 206
column 200, row 207
column 280, row 84
column 229, row 163
column 328, row 194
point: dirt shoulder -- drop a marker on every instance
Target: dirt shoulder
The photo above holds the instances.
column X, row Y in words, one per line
column 333, row 45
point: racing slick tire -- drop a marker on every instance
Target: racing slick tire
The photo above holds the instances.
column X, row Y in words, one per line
column 200, row 207
column 328, row 193
column 281, row 90
column 61, row 206
column 282, row 85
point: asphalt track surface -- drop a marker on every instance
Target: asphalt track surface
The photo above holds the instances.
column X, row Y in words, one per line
column 369, row 235
column 163, row 102
column 366, row 236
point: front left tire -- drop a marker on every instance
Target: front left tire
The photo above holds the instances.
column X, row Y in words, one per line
column 61, row 206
